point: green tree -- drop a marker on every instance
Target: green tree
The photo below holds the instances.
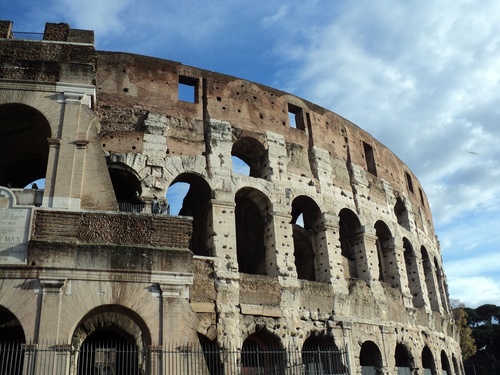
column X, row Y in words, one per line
column 467, row 342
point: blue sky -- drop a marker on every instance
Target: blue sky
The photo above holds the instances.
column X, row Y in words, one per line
column 422, row 77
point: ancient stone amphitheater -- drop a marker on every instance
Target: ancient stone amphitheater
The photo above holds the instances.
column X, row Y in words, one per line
column 318, row 257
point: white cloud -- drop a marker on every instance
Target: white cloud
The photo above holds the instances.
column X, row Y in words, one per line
column 475, row 291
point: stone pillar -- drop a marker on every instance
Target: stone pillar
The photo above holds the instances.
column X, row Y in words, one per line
column 335, row 261
column 396, row 255
column 280, row 259
column 420, row 297
column 50, row 312
column 219, row 159
column 322, row 168
column 54, row 145
column 277, row 155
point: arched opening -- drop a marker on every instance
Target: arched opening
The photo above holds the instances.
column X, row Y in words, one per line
column 412, row 273
column 321, row 356
column 445, row 364
column 251, row 214
column 370, row 358
column 385, row 248
column 455, row 364
column 430, row 281
column 402, row 213
column 441, row 285
column 195, row 203
column 428, row 363
column 402, row 360
column 252, row 153
column 349, row 237
column 24, row 148
column 11, row 343
column 127, row 187
column 211, row 355
column 111, row 340
column 262, row 353
column 306, row 226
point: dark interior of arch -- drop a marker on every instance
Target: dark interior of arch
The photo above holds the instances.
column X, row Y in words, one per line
column 250, row 214
column 109, row 351
column 10, row 327
column 24, row 148
column 125, row 182
column 445, row 363
column 384, row 237
column 211, row 355
column 303, row 237
column 263, row 351
column 402, row 213
column 402, row 356
column 370, row 355
column 253, row 153
column 321, row 355
column 427, row 359
column 196, row 205
column 349, row 225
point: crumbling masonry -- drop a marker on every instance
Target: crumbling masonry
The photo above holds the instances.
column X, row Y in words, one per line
column 326, row 237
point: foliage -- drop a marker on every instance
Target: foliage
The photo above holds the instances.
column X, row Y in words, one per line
column 467, row 342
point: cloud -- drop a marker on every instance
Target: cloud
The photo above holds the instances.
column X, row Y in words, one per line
column 475, row 291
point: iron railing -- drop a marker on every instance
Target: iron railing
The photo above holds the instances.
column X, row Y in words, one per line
column 120, row 358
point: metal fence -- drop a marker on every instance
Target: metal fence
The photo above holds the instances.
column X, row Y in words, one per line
column 27, row 36
column 120, row 358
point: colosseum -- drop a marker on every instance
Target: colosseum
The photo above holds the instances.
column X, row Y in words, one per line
column 302, row 245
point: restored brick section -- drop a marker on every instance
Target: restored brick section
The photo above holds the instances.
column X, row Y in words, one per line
column 112, row 228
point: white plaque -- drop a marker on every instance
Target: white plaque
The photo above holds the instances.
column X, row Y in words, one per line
column 15, row 223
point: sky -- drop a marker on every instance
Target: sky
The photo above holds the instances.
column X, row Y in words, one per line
column 423, row 77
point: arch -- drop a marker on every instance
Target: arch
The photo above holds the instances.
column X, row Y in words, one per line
column 12, row 339
column 262, row 353
column 412, row 273
column 196, row 203
column 445, row 364
column 430, row 280
column 385, row 248
column 441, row 285
column 456, row 368
column 306, row 238
column 401, row 213
column 251, row 215
column 403, row 360
column 370, row 358
column 320, row 356
column 24, row 147
column 253, row 153
column 111, row 337
column 428, row 364
column 349, row 230
column 127, row 187
column 213, row 360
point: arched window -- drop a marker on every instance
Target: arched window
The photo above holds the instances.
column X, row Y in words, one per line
column 25, row 149
column 430, row 280
column 445, row 364
column 412, row 273
column 441, row 284
column 111, row 340
column 428, row 363
column 321, row 356
column 127, row 187
column 193, row 201
column 385, row 252
column 11, row 343
column 349, row 231
column 455, row 365
column 402, row 359
column 402, row 213
column 370, row 358
column 251, row 214
column 262, row 353
column 253, row 154
column 306, row 224
column 212, row 355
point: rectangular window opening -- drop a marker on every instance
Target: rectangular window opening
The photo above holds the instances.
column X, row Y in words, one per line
column 421, row 197
column 188, row 89
column 296, row 117
column 370, row 159
column 409, row 181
